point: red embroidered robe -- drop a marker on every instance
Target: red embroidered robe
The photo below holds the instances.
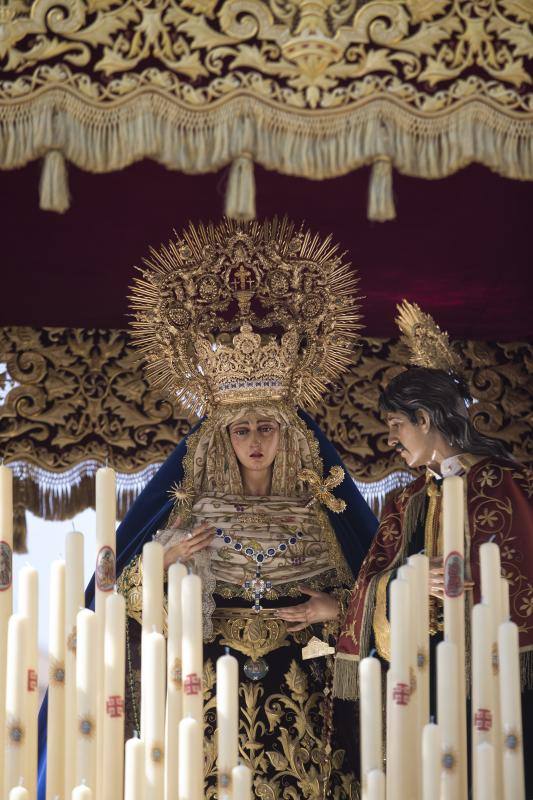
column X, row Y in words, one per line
column 499, row 501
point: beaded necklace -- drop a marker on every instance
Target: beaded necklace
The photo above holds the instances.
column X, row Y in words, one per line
column 258, row 585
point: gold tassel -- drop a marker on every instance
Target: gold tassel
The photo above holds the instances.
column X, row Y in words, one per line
column 240, row 192
column 526, row 670
column 380, row 198
column 20, row 533
column 54, row 193
column 346, row 677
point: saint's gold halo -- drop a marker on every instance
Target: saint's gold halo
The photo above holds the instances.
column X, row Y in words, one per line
column 429, row 346
column 246, row 311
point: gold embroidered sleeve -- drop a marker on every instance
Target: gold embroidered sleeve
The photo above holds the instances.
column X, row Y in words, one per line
column 380, row 623
column 130, row 586
column 332, row 628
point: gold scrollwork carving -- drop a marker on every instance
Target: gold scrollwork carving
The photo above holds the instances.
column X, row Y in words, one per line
column 296, row 54
column 71, row 396
column 254, row 635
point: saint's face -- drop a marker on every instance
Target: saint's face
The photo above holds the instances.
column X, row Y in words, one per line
column 414, row 441
column 255, row 441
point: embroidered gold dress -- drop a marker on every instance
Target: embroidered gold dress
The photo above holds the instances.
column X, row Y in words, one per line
column 285, row 725
column 258, row 318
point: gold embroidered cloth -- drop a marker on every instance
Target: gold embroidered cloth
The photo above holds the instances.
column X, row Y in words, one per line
column 309, row 89
column 72, row 398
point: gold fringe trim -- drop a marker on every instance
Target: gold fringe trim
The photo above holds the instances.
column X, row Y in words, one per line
column 346, row 677
column 380, row 196
column 305, row 144
column 526, row 669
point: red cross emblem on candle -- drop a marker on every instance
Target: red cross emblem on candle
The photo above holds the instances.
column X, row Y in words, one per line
column 401, row 693
column 32, row 680
column 115, row 706
column 483, row 719
column 192, row 684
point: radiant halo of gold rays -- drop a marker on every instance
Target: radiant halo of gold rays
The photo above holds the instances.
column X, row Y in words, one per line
column 246, row 310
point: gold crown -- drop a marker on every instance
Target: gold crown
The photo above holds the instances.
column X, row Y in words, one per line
column 245, row 311
column 249, row 370
column 429, row 346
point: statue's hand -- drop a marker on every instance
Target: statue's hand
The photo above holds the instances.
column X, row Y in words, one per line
column 200, row 537
column 320, row 607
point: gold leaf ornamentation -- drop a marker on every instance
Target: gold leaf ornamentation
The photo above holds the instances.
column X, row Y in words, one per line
column 71, row 398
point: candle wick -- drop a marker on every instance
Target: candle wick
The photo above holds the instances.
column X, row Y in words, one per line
column 432, row 719
column 492, row 537
column 226, row 650
column 21, row 781
column 372, row 653
column 423, row 551
column 135, row 734
column 154, row 628
column 72, row 523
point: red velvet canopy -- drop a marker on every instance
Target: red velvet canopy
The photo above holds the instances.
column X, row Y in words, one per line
column 460, row 247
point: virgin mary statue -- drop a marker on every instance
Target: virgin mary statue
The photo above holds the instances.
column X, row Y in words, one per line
column 244, row 324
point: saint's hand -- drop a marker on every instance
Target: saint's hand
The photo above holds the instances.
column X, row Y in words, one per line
column 200, row 537
column 436, row 578
column 320, row 607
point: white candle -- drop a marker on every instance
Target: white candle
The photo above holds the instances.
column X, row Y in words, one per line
column 134, row 777
column 399, row 733
column 400, row 623
column 6, row 590
column 505, row 610
column 114, row 679
column 154, row 684
column 431, row 761
column 105, row 578
column 413, row 765
column 227, row 721
column 448, row 701
column 511, row 712
column 241, row 781
column 453, row 504
column 74, row 600
column 19, row 793
column 152, row 605
column 16, row 739
column 482, row 684
column 491, row 594
column 485, row 787
column 370, row 729
column 191, row 780
column 28, row 607
column 376, row 784
column 176, row 573
column 86, row 689
column 192, row 644
column 82, row 792
column 420, row 564
column 55, row 769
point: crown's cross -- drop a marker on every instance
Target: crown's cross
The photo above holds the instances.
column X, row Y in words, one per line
column 245, row 281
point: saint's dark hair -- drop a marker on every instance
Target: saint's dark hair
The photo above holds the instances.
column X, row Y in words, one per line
column 445, row 398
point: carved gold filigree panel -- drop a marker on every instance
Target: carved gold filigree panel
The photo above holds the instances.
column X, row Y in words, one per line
column 427, row 54
column 67, row 395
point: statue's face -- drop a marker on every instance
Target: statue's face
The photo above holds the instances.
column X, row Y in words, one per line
column 414, row 441
column 255, row 441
